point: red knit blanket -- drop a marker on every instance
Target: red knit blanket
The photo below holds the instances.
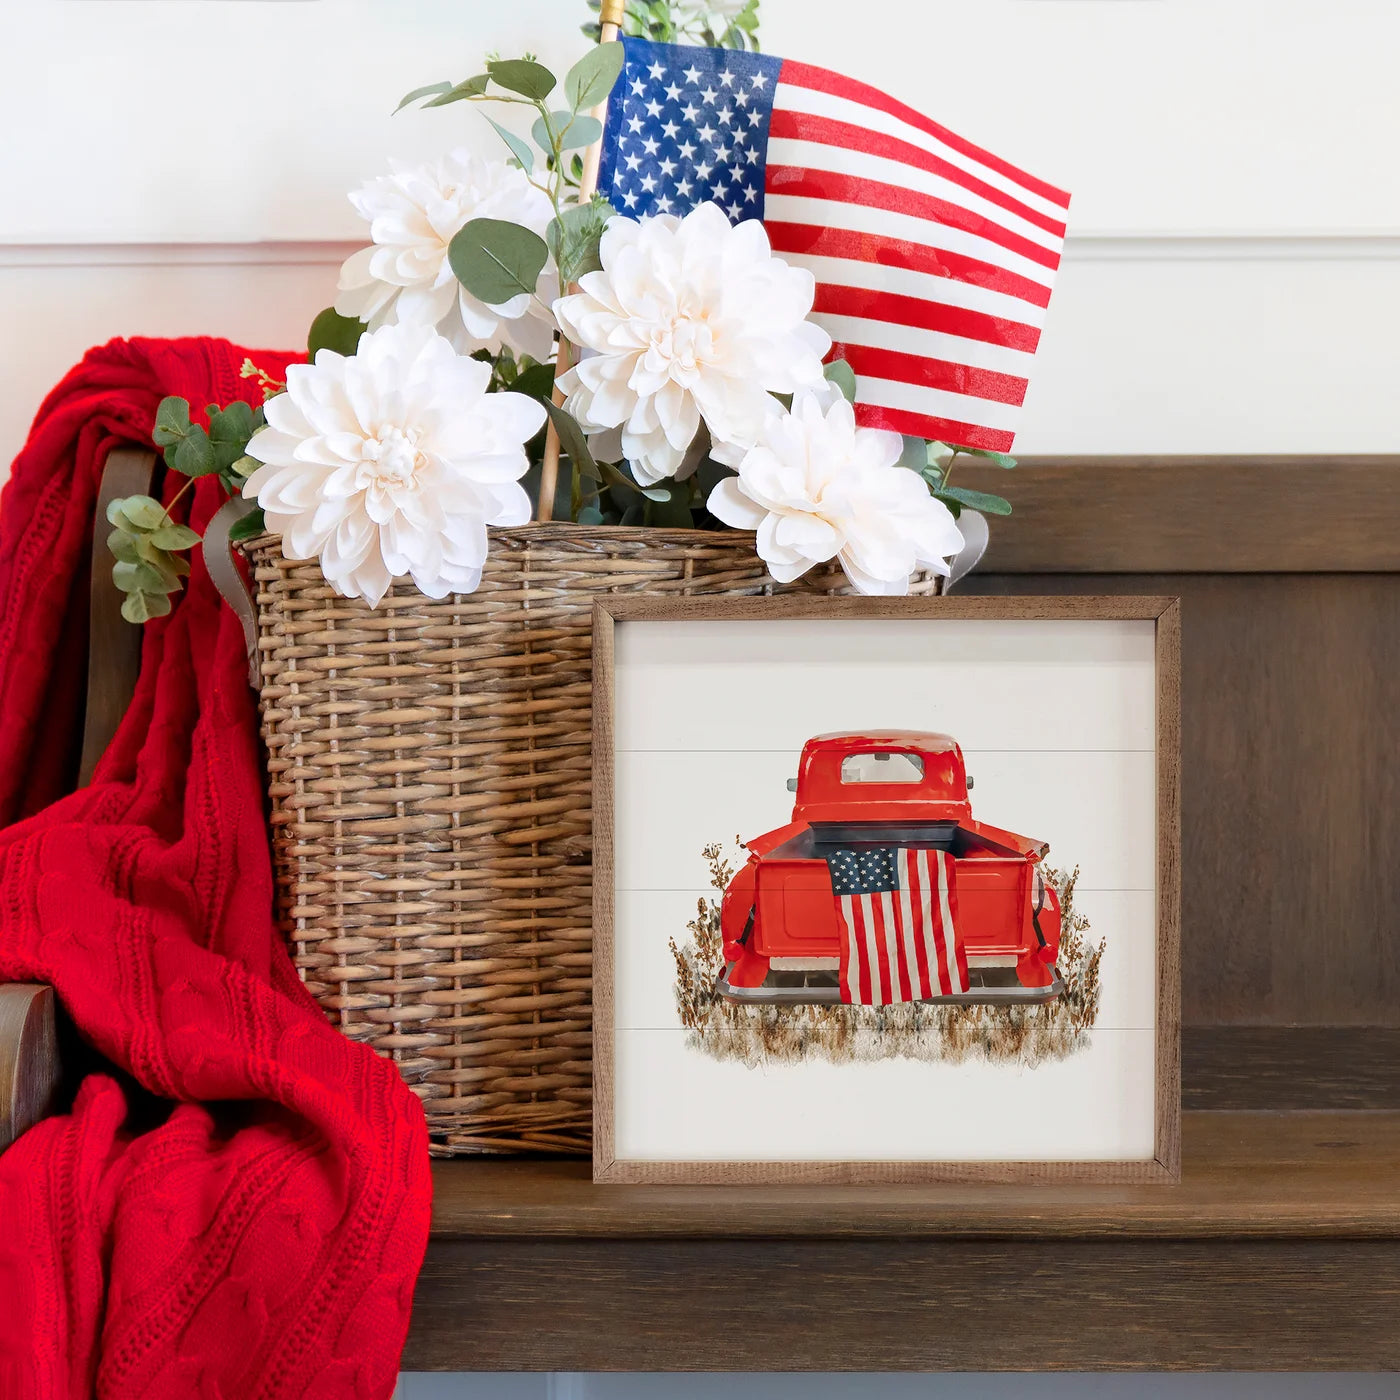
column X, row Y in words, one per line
column 237, row 1204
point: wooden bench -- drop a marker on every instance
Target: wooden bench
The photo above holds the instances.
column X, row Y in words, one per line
column 1280, row 1249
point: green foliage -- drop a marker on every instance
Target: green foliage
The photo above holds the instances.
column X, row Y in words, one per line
column 522, row 75
column 147, row 544
column 332, row 331
column 667, row 23
column 591, row 79
column 569, row 131
column 249, row 525
column 982, row 501
column 574, row 238
column 496, row 260
column 524, row 156
column 431, row 90
column 844, row 377
column 469, row 87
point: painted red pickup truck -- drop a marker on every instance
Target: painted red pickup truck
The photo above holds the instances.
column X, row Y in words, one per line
column 889, row 808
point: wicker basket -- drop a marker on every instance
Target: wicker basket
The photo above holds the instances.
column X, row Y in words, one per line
column 429, row 774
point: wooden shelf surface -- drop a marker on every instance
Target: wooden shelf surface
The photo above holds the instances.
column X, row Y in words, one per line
column 1263, row 1174
column 1278, row 1251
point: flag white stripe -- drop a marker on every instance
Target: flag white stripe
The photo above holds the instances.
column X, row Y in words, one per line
column 908, row 874
column 933, row 403
column 792, row 98
column 946, row 911
column 863, row 165
column 932, row 345
column 862, row 218
column 906, row 282
column 852, row 954
column 877, row 987
column 896, row 992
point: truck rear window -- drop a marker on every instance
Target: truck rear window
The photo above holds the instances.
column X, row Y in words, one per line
column 882, row 768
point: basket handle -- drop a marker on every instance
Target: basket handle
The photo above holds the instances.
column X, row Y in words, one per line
column 228, row 577
column 975, row 536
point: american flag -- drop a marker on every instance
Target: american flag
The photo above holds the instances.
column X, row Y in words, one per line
column 898, row 909
column 934, row 259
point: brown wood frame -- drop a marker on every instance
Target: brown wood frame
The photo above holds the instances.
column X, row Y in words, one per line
column 1165, row 1166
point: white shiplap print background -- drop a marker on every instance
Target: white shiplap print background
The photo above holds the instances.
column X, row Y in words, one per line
column 1057, row 723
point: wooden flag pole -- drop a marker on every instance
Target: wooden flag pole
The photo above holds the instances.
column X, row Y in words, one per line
column 611, row 22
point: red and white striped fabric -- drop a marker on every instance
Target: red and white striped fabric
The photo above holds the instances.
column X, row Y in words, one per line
column 898, row 913
column 934, row 259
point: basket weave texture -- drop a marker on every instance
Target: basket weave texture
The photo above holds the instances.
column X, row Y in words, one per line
column 429, row 772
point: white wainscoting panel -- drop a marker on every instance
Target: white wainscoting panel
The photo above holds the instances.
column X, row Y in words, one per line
column 1155, row 344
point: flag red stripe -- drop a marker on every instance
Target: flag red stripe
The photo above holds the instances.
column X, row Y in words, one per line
column 924, row 425
column 917, row 900
column 927, row 373
column 930, row 881
column 821, row 80
column 827, row 131
column 924, row 315
column 880, row 250
column 901, row 953
column 875, row 194
column 882, row 949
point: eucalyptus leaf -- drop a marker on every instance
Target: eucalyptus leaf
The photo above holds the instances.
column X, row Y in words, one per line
column 431, row 90
column 591, row 79
column 915, row 454
column 193, row 455
column 575, row 237
column 572, row 440
column 573, row 131
column 142, row 512
column 174, row 536
column 495, row 260
column 999, row 459
column 142, row 578
column 172, row 421
column 982, row 501
column 471, row 87
column 332, row 331
column 244, row 467
column 537, row 382
column 518, row 148
column 245, row 527
column 142, row 607
column 589, row 515
column 122, row 545
column 844, row 377
column 523, row 75
column 674, row 510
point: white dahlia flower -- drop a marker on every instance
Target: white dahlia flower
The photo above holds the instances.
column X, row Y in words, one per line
column 689, row 319
column 816, row 488
column 392, row 462
column 413, row 213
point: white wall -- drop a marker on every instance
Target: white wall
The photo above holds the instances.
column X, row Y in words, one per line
column 1232, row 278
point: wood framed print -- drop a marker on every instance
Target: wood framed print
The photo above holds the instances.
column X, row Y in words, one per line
column 886, row 889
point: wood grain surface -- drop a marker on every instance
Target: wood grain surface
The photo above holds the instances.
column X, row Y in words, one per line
column 907, row 1305
column 29, row 1064
column 1194, row 514
column 1290, row 689
column 611, row 610
column 1295, row 1175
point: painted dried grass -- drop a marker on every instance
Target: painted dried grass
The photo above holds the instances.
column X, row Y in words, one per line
column 1002, row 1034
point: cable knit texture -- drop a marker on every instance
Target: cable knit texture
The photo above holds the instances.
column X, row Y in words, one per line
column 236, row 1206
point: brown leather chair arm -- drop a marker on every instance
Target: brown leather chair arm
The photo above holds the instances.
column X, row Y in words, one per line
column 30, row 1071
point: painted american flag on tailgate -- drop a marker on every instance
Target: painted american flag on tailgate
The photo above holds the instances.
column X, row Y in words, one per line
column 897, row 907
column 934, row 259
